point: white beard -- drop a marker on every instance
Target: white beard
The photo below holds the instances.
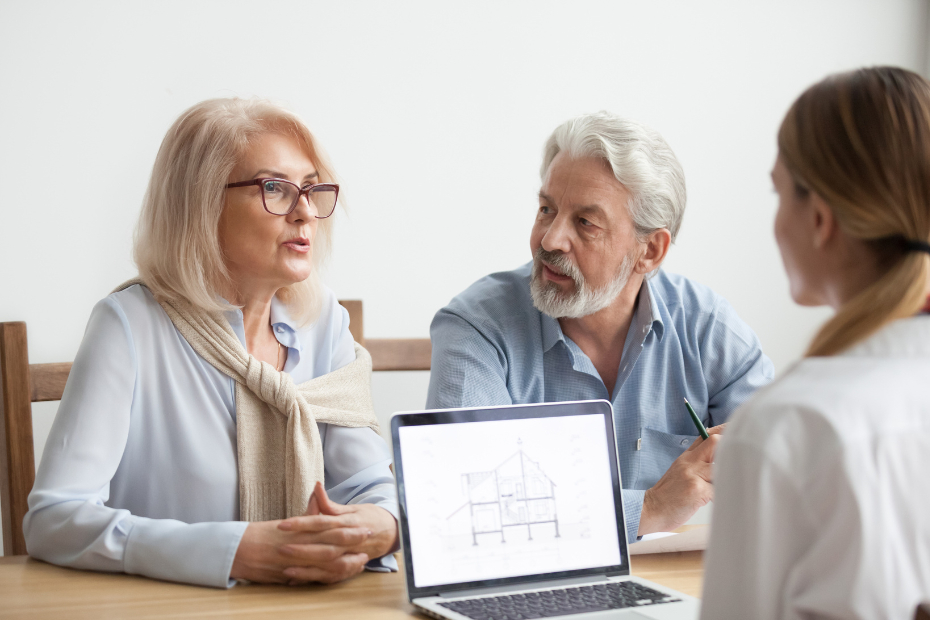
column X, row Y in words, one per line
column 550, row 300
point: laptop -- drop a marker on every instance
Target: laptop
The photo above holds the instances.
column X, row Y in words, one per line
column 515, row 512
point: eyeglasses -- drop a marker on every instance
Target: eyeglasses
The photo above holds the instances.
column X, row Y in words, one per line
column 280, row 197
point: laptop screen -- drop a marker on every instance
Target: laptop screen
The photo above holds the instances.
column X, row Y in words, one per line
column 489, row 499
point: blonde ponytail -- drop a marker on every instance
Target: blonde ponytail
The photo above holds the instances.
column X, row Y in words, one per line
column 901, row 293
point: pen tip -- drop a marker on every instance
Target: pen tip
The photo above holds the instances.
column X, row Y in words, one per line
column 686, row 400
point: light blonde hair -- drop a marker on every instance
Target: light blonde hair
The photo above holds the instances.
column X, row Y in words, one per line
column 861, row 140
column 177, row 247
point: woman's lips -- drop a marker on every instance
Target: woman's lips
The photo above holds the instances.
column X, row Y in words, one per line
column 298, row 245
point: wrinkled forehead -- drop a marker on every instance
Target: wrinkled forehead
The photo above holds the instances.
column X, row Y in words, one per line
column 580, row 182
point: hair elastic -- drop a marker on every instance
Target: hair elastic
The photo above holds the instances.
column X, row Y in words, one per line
column 914, row 245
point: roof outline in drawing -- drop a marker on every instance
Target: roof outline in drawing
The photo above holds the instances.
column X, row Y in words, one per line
column 517, row 492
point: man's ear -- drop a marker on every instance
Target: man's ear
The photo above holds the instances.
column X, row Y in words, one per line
column 824, row 226
column 656, row 245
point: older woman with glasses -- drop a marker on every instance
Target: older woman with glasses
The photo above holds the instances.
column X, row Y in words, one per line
column 217, row 424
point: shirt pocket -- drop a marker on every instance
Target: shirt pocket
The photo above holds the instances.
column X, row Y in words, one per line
column 659, row 451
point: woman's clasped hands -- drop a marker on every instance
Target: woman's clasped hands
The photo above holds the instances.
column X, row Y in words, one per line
column 329, row 543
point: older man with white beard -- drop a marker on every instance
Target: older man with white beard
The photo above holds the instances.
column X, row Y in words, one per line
column 594, row 316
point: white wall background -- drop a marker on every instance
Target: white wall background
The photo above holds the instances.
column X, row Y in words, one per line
column 434, row 115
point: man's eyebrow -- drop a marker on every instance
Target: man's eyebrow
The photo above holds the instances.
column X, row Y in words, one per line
column 593, row 208
column 596, row 209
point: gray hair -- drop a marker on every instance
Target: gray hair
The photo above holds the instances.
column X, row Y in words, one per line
column 641, row 160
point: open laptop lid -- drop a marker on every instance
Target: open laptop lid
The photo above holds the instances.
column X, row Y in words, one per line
column 495, row 496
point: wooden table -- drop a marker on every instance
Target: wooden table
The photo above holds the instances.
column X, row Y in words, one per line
column 32, row 589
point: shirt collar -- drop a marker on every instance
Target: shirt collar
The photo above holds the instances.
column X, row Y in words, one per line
column 283, row 325
column 281, row 322
column 551, row 332
column 647, row 316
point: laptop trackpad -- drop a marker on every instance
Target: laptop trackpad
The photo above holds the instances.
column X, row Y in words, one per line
column 689, row 609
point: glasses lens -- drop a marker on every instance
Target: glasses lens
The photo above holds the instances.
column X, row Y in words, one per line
column 324, row 198
column 279, row 196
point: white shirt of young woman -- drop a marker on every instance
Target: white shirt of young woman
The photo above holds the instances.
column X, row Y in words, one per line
column 822, row 489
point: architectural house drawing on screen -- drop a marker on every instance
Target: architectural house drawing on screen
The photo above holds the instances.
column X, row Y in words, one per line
column 516, row 493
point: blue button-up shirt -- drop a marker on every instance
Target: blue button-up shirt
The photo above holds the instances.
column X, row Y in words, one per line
column 491, row 346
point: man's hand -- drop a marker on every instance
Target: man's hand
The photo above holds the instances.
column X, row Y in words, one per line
column 325, row 517
column 685, row 487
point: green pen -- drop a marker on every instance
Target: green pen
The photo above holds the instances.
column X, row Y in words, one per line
column 696, row 420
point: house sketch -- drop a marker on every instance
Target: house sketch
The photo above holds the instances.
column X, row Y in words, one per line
column 515, row 493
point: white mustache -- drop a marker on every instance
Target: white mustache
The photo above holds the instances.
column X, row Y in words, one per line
column 561, row 262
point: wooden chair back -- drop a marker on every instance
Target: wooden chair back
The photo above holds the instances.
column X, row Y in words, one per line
column 22, row 384
column 388, row 353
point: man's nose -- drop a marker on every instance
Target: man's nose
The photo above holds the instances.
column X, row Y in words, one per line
column 558, row 236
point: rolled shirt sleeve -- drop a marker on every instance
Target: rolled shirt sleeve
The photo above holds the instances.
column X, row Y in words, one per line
column 632, row 511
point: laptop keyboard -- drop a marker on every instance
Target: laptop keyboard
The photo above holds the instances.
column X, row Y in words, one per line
column 561, row 602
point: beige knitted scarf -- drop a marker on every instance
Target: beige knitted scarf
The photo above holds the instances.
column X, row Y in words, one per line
column 280, row 451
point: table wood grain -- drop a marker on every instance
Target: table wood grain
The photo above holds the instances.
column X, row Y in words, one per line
column 31, row 589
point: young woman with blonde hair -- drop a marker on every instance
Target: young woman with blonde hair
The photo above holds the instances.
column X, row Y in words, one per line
column 214, row 398
column 822, row 492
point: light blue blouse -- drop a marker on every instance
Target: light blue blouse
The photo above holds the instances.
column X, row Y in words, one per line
column 139, row 473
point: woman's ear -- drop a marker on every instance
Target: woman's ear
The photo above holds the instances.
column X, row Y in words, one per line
column 824, row 226
column 657, row 245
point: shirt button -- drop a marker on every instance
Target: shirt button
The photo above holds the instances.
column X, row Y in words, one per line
column 685, row 442
column 279, row 329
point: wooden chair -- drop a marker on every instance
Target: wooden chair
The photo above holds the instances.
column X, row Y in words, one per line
column 22, row 384
column 388, row 353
